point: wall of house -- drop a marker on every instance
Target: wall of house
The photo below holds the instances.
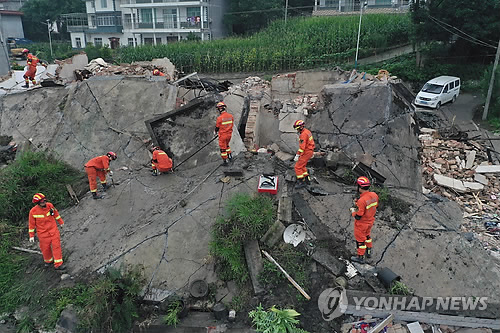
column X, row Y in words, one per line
column 74, row 36
column 12, row 26
column 216, row 13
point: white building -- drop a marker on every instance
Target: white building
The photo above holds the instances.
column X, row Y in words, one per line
column 136, row 22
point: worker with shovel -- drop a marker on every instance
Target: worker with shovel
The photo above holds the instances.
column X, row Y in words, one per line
column 364, row 216
column 224, row 127
column 160, row 161
column 32, row 62
column 99, row 167
column 44, row 218
column 304, row 154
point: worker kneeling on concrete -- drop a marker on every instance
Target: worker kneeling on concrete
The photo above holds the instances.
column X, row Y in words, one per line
column 99, row 167
column 224, row 127
column 43, row 219
column 304, row 154
column 157, row 72
column 160, row 161
column 364, row 216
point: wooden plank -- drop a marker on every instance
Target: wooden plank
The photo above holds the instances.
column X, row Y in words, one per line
column 380, row 326
column 72, row 193
column 292, row 281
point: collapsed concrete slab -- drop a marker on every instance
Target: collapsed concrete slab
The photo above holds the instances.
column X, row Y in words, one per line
column 184, row 131
column 88, row 119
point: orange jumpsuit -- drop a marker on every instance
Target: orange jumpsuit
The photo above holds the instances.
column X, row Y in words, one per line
column 30, row 74
column 161, row 161
column 364, row 218
column 97, row 167
column 305, row 152
column 224, row 126
column 44, row 220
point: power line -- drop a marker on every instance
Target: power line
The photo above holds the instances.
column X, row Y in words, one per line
column 461, row 31
column 471, row 39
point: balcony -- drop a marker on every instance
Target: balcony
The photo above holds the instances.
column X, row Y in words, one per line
column 76, row 22
column 350, row 6
column 134, row 2
column 168, row 22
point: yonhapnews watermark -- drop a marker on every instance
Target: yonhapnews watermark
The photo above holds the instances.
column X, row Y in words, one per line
column 333, row 302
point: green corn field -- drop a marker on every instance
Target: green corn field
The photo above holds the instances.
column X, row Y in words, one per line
column 301, row 43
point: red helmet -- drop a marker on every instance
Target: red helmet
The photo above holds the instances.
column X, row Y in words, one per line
column 112, row 155
column 156, row 148
column 25, row 51
column 156, row 71
column 38, row 197
column 363, row 181
column 221, row 106
column 298, row 124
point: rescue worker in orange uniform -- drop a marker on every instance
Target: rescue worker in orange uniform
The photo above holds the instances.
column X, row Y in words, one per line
column 157, row 72
column 43, row 219
column 364, row 216
column 304, row 154
column 160, row 161
column 99, row 167
column 224, row 127
column 32, row 62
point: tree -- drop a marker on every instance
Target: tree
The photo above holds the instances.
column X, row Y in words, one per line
column 251, row 16
column 38, row 11
column 440, row 19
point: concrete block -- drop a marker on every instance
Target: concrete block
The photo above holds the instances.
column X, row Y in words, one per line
column 473, row 186
column 287, row 119
column 273, row 234
column 78, row 61
column 284, row 156
column 323, row 257
column 68, row 321
column 285, row 210
column 289, row 143
column 254, row 264
column 488, row 169
column 449, row 182
column 470, row 157
column 234, row 172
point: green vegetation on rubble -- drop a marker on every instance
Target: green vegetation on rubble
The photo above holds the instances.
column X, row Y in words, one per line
column 275, row 320
column 246, row 218
column 108, row 303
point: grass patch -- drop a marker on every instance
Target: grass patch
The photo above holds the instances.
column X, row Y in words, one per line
column 29, row 174
column 246, row 218
column 399, row 288
column 295, row 262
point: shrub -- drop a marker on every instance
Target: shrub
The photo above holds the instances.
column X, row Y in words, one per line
column 246, row 218
column 275, row 320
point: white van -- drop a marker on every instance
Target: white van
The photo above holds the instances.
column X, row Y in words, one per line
column 438, row 91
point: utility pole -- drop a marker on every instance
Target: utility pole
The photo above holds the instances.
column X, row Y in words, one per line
column 359, row 33
column 286, row 10
column 492, row 80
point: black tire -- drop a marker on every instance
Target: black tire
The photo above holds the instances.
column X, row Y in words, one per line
column 438, row 105
column 454, row 98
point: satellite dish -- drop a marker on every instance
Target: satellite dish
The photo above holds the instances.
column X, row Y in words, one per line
column 294, row 234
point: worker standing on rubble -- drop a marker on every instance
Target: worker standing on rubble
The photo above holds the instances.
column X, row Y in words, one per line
column 364, row 216
column 32, row 62
column 160, row 161
column 44, row 218
column 224, row 127
column 304, row 154
column 99, row 167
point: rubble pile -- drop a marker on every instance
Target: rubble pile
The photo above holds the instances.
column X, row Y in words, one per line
column 460, row 171
column 99, row 67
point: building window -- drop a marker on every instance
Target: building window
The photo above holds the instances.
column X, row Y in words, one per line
column 92, row 4
column 78, row 42
column 170, row 18
column 130, row 42
column 193, row 11
column 98, row 41
column 104, row 3
column 105, row 21
column 158, row 40
column 148, row 41
column 92, row 20
column 147, row 15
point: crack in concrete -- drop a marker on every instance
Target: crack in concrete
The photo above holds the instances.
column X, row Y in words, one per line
column 400, row 231
column 159, row 263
